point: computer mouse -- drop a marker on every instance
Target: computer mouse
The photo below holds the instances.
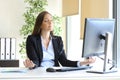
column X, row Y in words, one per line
column 50, row 70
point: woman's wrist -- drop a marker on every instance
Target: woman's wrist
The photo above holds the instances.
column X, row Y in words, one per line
column 33, row 67
column 83, row 63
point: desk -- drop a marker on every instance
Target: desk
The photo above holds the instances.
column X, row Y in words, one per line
column 41, row 74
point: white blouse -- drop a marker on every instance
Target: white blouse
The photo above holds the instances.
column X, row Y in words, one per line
column 48, row 55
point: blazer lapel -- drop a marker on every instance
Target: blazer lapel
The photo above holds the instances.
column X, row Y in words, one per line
column 39, row 48
column 55, row 47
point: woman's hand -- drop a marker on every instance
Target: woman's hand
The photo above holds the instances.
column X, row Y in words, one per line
column 28, row 63
column 88, row 61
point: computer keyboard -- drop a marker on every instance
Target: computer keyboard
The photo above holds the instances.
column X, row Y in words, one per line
column 64, row 69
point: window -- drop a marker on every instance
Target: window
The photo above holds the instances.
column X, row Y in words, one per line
column 116, row 15
column 74, row 44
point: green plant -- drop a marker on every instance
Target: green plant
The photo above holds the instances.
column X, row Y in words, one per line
column 32, row 10
column 57, row 25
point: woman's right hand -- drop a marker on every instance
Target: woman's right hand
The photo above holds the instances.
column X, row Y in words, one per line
column 28, row 63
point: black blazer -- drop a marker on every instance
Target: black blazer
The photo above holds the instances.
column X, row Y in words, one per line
column 35, row 52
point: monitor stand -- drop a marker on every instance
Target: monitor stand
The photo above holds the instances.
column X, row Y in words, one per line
column 107, row 50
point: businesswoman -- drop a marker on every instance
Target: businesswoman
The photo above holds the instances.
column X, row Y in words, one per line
column 46, row 50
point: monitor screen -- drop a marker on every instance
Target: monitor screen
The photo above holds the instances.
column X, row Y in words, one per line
column 94, row 35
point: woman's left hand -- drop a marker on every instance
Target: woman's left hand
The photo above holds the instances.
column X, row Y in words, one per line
column 88, row 61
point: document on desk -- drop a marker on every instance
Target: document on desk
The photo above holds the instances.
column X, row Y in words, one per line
column 13, row 70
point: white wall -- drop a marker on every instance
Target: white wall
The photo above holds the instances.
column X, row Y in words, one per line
column 54, row 7
column 11, row 19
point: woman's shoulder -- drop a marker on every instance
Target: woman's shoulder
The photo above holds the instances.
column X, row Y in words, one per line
column 56, row 37
column 33, row 36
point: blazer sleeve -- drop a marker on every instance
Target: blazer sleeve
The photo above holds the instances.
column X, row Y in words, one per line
column 62, row 56
column 31, row 50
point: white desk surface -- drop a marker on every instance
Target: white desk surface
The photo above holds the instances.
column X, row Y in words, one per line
column 40, row 73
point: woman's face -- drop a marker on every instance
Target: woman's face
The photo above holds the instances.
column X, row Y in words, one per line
column 47, row 24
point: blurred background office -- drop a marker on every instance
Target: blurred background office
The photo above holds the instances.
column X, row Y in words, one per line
column 12, row 20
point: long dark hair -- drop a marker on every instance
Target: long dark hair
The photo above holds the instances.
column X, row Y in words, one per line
column 38, row 23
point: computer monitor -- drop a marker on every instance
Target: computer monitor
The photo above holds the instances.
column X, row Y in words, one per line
column 98, row 38
column 94, row 35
